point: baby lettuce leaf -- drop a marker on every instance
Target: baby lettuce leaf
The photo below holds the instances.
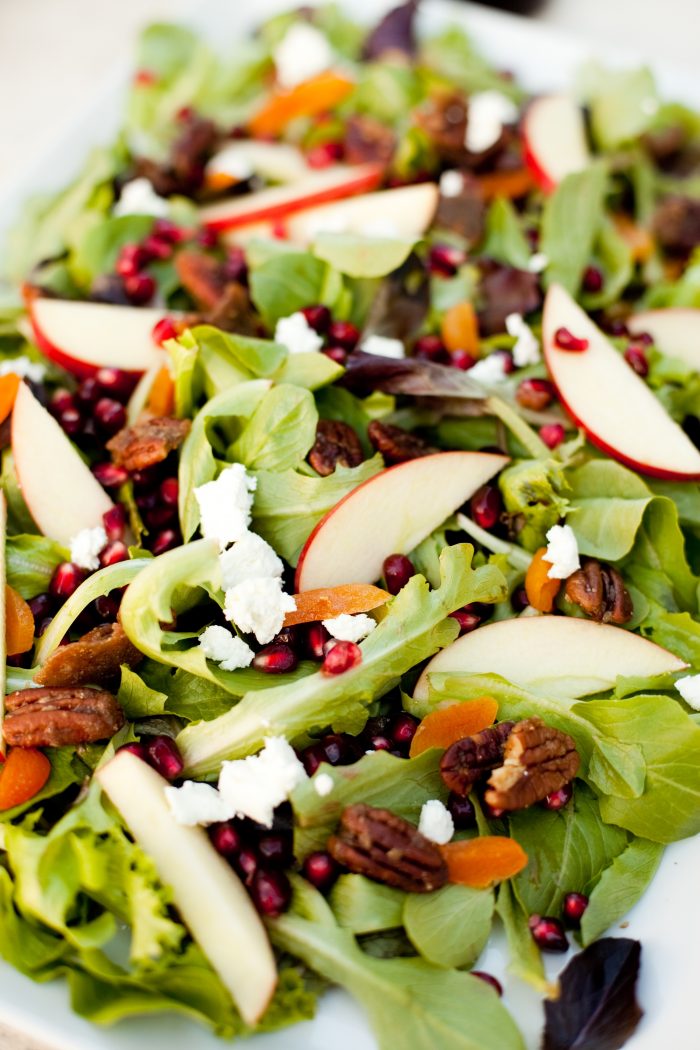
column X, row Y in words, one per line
column 570, row 222
column 620, row 887
column 280, row 431
column 359, row 256
column 535, row 493
column 395, row 33
column 286, row 283
column 525, row 960
column 137, row 699
column 453, row 56
column 451, row 926
column 608, row 503
column 30, row 563
column 623, row 103
column 364, row 906
column 597, row 1008
column 416, row 625
column 504, row 237
column 430, row 1006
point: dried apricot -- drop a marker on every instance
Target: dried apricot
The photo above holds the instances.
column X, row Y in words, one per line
column 540, row 588
column 19, row 623
column 316, row 95
column 510, row 184
column 460, row 329
column 161, row 397
column 328, row 602
column 9, row 385
column 639, row 241
column 482, row 862
column 447, row 724
column 24, row 774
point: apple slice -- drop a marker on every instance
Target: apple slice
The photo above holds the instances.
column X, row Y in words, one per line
column 276, row 161
column 560, row 656
column 404, row 212
column 278, row 201
column 554, row 139
column 609, row 400
column 82, row 337
column 675, row 330
column 208, row 894
column 390, row 514
column 59, row 489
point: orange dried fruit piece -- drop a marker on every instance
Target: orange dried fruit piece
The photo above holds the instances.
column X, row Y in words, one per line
column 510, row 184
column 161, row 397
column 484, row 861
column 639, row 240
column 9, row 385
column 540, row 588
column 23, row 775
column 443, row 727
column 19, row 623
column 327, row 602
column 319, row 93
column 460, row 329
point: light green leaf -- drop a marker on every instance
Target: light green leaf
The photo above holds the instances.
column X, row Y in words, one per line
column 137, row 699
column 279, row 433
column 525, row 959
column 286, row 283
column 620, row 887
column 312, row 371
column 30, row 563
column 363, row 906
column 451, row 926
column 570, row 223
column 623, row 103
column 504, row 237
column 359, row 256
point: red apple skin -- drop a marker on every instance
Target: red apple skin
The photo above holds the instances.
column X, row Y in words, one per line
column 529, row 133
column 543, row 180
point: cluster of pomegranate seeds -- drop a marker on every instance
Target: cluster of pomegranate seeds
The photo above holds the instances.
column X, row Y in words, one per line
column 96, row 410
column 535, row 394
column 392, row 733
column 156, row 495
column 548, row 933
column 259, row 855
column 566, row 340
column 552, row 434
column 398, row 570
column 444, row 260
column 140, row 287
column 637, row 360
column 573, row 907
column 160, row 752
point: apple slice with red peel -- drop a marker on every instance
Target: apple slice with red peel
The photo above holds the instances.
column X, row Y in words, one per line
column 560, row 656
column 554, row 139
column 276, row 161
column 274, row 203
column 82, row 336
column 59, row 489
column 206, row 891
column 404, row 212
column 390, row 514
column 607, row 398
column 675, row 330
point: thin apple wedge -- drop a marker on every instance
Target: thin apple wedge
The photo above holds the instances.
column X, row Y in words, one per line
column 390, row 514
column 208, row 894
column 560, row 656
column 607, row 398
column 59, row 489
column 675, row 330
column 554, row 139
column 404, row 212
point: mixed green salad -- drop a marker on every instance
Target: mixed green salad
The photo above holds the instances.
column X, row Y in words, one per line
column 350, row 410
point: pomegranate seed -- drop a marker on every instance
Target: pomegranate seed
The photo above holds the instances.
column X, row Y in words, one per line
column 430, row 348
column 159, row 516
column 135, row 748
column 207, row 238
column 337, row 354
column 110, row 415
column 271, row 892
column 276, row 849
column 116, row 383
column 236, row 267
column 398, row 570
column 165, row 541
column 552, row 434
column 287, row 636
column 114, row 552
column 341, row 658
column 548, row 933
column 140, row 288
column 617, row 328
column 486, row 506
column 71, row 421
column 316, row 639
column 489, row 979
column 109, row 475
column 131, row 260
column 403, row 729
column 573, row 907
column 644, row 339
column 325, row 155
column 566, row 340
column 184, row 114
column 336, row 750
column 114, row 521
column 592, row 279
column 462, row 811
column 147, row 479
column 467, row 621
column 519, row 599
column 144, row 78
column 380, row 743
column 169, row 491
column 462, row 359
column 66, row 579
column 342, row 333
column 225, row 839
column 157, row 248
column 637, row 360
column 246, row 864
column 312, row 757
column 318, row 317
column 535, row 394
column 321, row 870
column 163, row 330
column 61, row 400
column 41, row 606
column 560, row 798
column 444, row 260
column 106, row 608
column 275, row 659
column 164, row 755
column 165, row 230
column 88, row 391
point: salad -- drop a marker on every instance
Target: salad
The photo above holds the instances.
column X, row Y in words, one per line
column 351, row 525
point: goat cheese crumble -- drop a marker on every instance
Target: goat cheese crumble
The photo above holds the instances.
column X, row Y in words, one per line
column 537, row 262
column 488, row 112
column 562, row 552
column 436, row 822
column 302, row 53
column 85, row 548
column 490, row 370
column 225, row 648
column 383, row 347
column 139, row 198
column 231, row 161
column 527, row 348
column 225, row 505
column 196, row 803
column 347, row 628
column 249, row 558
column 323, row 784
column 24, row 368
column 689, row 688
column 253, row 787
column 296, row 334
column 258, row 607
column 451, row 183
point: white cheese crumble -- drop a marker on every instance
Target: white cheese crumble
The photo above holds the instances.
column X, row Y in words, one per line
column 231, row 161
column 24, row 368
column 254, row 786
column 249, row 558
column 489, row 370
column 383, row 346
column 225, row 505
column 196, row 803
column 689, row 688
column 451, row 183
column 562, row 552
column 537, row 262
column 347, row 628
column 139, row 198
column 302, row 53
column 225, row 648
column 527, row 348
column 488, row 112
column 296, row 334
column 85, row 547
column 323, row 784
column 258, row 606
column 436, row 822
column 649, row 106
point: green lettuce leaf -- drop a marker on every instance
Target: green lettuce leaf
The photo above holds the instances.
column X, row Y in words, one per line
column 451, row 926
column 364, row 906
column 279, row 433
column 453, row 57
column 620, row 887
column 359, row 256
column 623, row 103
column 286, row 283
column 570, row 222
column 504, row 239
column 525, row 960
column 30, row 563
column 96, row 252
column 534, row 491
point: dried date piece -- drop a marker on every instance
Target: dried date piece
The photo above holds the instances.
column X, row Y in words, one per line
column 148, row 442
column 223, row 302
column 396, row 445
column 183, row 171
column 537, row 760
column 55, row 717
column 386, row 848
column 368, row 140
column 676, row 224
column 96, row 658
column 468, row 760
column 336, row 444
column 600, row 591
column 464, row 213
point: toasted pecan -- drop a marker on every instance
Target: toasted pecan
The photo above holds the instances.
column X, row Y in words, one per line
column 336, row 443
column 147, row 442
column 58, row 717
column 96, row 658
column 395, row 444
column 537, row 761
column 468, row 760
column 600, row 591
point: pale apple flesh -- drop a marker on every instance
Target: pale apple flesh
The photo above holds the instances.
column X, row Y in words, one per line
column 559, row 656
column 276, row 161
column 403, row 212
column 607, row 398
column 675, row 330
column 390, row 514
column 60, row 491
column 206, row 891
column 554, row 139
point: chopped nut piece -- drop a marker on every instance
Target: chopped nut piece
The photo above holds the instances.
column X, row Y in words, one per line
column 537, row 760
column 147, row 442
column 468, row 760
column 54, row 717
column 386, row 848
column 96, row 658
column 676, row 224
column 600, row 591
column 336, row 443
column 396, row 445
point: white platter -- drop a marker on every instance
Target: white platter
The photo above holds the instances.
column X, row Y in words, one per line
column 667, row 920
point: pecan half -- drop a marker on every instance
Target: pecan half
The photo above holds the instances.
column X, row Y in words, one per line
column 96, row 657
column 469, row 759
column 600, row 591
column 55, row 717
column 222, row 301
column 396, row 445
column 367, row 139
column 336, row 443
column 537, row 760
column 676, row 224
column 386, row 848
column 147, row 442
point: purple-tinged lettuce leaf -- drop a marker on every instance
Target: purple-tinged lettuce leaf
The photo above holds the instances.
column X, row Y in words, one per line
column 395, row 34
